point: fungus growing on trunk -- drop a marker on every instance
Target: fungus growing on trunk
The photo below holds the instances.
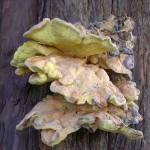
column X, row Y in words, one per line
column 57, row 118
column 89, row 69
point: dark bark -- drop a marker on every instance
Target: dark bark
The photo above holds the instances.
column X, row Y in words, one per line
column 17, row 96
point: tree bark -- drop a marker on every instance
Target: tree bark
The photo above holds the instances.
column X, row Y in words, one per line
column 17, row 96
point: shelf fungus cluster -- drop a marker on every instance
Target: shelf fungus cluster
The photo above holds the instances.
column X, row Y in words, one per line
column 89, row 72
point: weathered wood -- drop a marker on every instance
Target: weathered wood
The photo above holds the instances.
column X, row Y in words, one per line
column 17, row 96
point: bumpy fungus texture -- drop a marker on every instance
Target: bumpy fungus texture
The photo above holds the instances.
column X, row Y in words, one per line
column 79, row 83
column 53, row 67
column 57, row 118
column 27, row 50
column 129, row 90
column 114, row 63
column 90, row 85
column 90, row 69
column 120, row 32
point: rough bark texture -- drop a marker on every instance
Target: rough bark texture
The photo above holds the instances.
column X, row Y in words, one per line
column 17, row 96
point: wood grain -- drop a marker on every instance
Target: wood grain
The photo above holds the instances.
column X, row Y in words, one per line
column 17, row 96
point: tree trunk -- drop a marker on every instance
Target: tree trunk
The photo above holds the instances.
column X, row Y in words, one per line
column 17, row 96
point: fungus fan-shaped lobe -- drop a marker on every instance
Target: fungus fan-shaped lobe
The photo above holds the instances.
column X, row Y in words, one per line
column 111, row 63
column 53, row 67
column 115, row 64
column 80, row 83
column 30, row 49
column 69, row 39
column 90, row 85
column 58, row 118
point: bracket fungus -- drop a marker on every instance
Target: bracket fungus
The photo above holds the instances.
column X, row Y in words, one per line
column 30, row 49
column 90, row 85
column 57, row 118
column 27, row 50
column 53, row 67
column 89, row 72
column 69, row 39
column 120, row 31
